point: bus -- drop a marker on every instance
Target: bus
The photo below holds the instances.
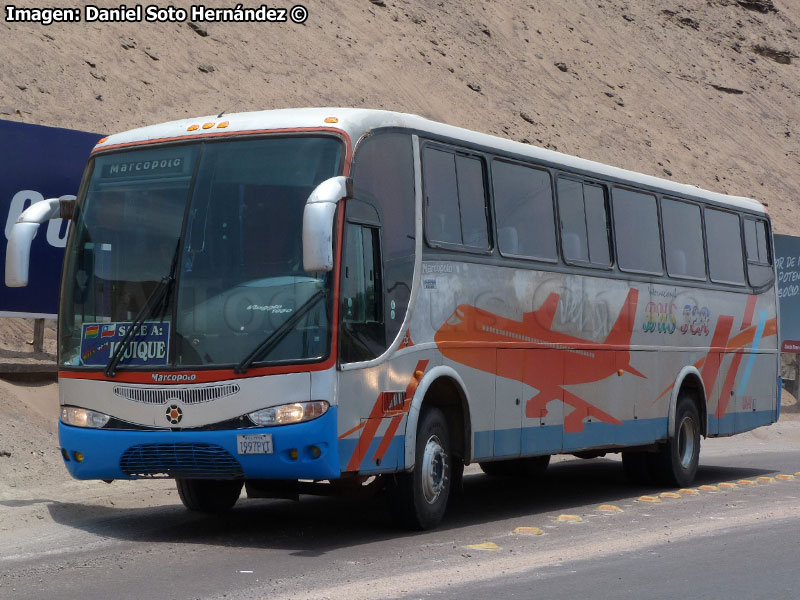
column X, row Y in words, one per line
column 324, row 299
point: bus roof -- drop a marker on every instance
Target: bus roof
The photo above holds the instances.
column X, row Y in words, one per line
column 356, row 121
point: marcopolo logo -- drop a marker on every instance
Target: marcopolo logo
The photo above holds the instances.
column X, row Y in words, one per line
column 174, row 414
column 173, row 377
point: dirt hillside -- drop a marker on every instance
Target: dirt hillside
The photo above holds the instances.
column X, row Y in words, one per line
column 701, row 92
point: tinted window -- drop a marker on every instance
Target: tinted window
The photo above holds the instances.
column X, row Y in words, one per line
column 759, row 271
column 584, row 222
column 363, row 334
column 724, row 240
column 523, row 201
column 472, row 201
column 455, row 199
column 573, row 220
column 683, row 239
column 383, row 177
column 442, row 220
column 636, row 232
column 594, row 199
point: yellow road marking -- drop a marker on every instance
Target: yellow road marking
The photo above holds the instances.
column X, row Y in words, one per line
column 529, row 530
column 609, row 508
column 568, row 519
column 653, row 499
column 669, row 495
column 766, row 479
column 727, row 485
column 688, row 492
column 708, row 488
column 746, row 482
column 784, row 477
column 484, row 546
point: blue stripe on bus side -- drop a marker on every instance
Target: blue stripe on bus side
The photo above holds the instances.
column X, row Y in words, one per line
column 743, row 421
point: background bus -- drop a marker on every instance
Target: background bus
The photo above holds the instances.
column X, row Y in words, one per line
column 324, row 295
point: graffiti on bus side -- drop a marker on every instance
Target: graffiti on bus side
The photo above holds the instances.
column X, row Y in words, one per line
column 662, row 317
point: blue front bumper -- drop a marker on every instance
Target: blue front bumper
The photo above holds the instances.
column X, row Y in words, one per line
column 103, row 450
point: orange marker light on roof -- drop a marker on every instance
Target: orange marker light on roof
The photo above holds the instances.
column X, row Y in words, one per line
column 193, row 128
column 207, row 125
column 105, row 139
column 331, row 119
column 223, row 125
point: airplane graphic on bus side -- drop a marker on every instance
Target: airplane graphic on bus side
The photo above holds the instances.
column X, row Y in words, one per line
column 577, row 360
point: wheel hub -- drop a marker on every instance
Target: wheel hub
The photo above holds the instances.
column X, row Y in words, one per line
column 686, row 441
column 434, row 467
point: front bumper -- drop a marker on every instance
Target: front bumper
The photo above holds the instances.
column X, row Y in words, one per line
column 103, row 451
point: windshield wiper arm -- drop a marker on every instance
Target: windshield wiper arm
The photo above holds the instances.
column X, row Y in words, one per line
column 281, row 332
column 156, row 297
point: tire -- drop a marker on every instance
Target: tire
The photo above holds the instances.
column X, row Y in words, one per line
column 420, row 497
column 209, row 495
column 636, row 467
column 516, row 467
column 675, row 464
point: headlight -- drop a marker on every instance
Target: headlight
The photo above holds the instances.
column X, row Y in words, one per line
column 83, row 417
column 289, row 413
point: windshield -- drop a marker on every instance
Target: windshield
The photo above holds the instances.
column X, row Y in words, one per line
column 233, row 210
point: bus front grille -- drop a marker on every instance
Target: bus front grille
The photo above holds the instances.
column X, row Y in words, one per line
column 185, row 460
column 162, row 395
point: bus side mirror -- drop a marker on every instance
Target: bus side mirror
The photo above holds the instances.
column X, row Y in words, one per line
column 18, row 249
column 318, row 216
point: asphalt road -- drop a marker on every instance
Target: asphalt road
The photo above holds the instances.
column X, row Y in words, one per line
column 735, row 542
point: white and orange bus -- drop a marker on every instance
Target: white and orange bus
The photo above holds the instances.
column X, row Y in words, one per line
column 301, row 299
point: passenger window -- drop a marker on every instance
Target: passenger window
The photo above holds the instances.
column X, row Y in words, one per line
column 724, row 240
column 759, row 269
column 472, row 200
column 683, row 239
column 636, row 232
column 584, row 222
column 363, row 335
column 523, row 200
column 455, row 199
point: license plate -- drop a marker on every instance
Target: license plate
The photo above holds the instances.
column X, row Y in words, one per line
column 254, row 444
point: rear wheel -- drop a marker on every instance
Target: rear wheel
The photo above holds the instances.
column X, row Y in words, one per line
column 208, row 495
column 420, row 498
column 675, row 464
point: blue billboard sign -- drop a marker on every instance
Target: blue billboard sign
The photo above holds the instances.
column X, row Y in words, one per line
column 787, row 263
column 37, row 163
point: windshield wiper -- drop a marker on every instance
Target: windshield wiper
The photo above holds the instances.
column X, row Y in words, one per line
column 156, row 297
column 281, row 332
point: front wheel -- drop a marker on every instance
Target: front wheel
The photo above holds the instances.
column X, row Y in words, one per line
column 420, row 498
column 675, row 464
column 208, row 495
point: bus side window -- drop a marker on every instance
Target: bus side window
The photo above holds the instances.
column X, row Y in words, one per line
column 584, row 222
column 759, row 264
column 523, row 201
column 724, row 240
column 683, row 239
column 363, row 336
column 456, row 211
column 636, row 232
